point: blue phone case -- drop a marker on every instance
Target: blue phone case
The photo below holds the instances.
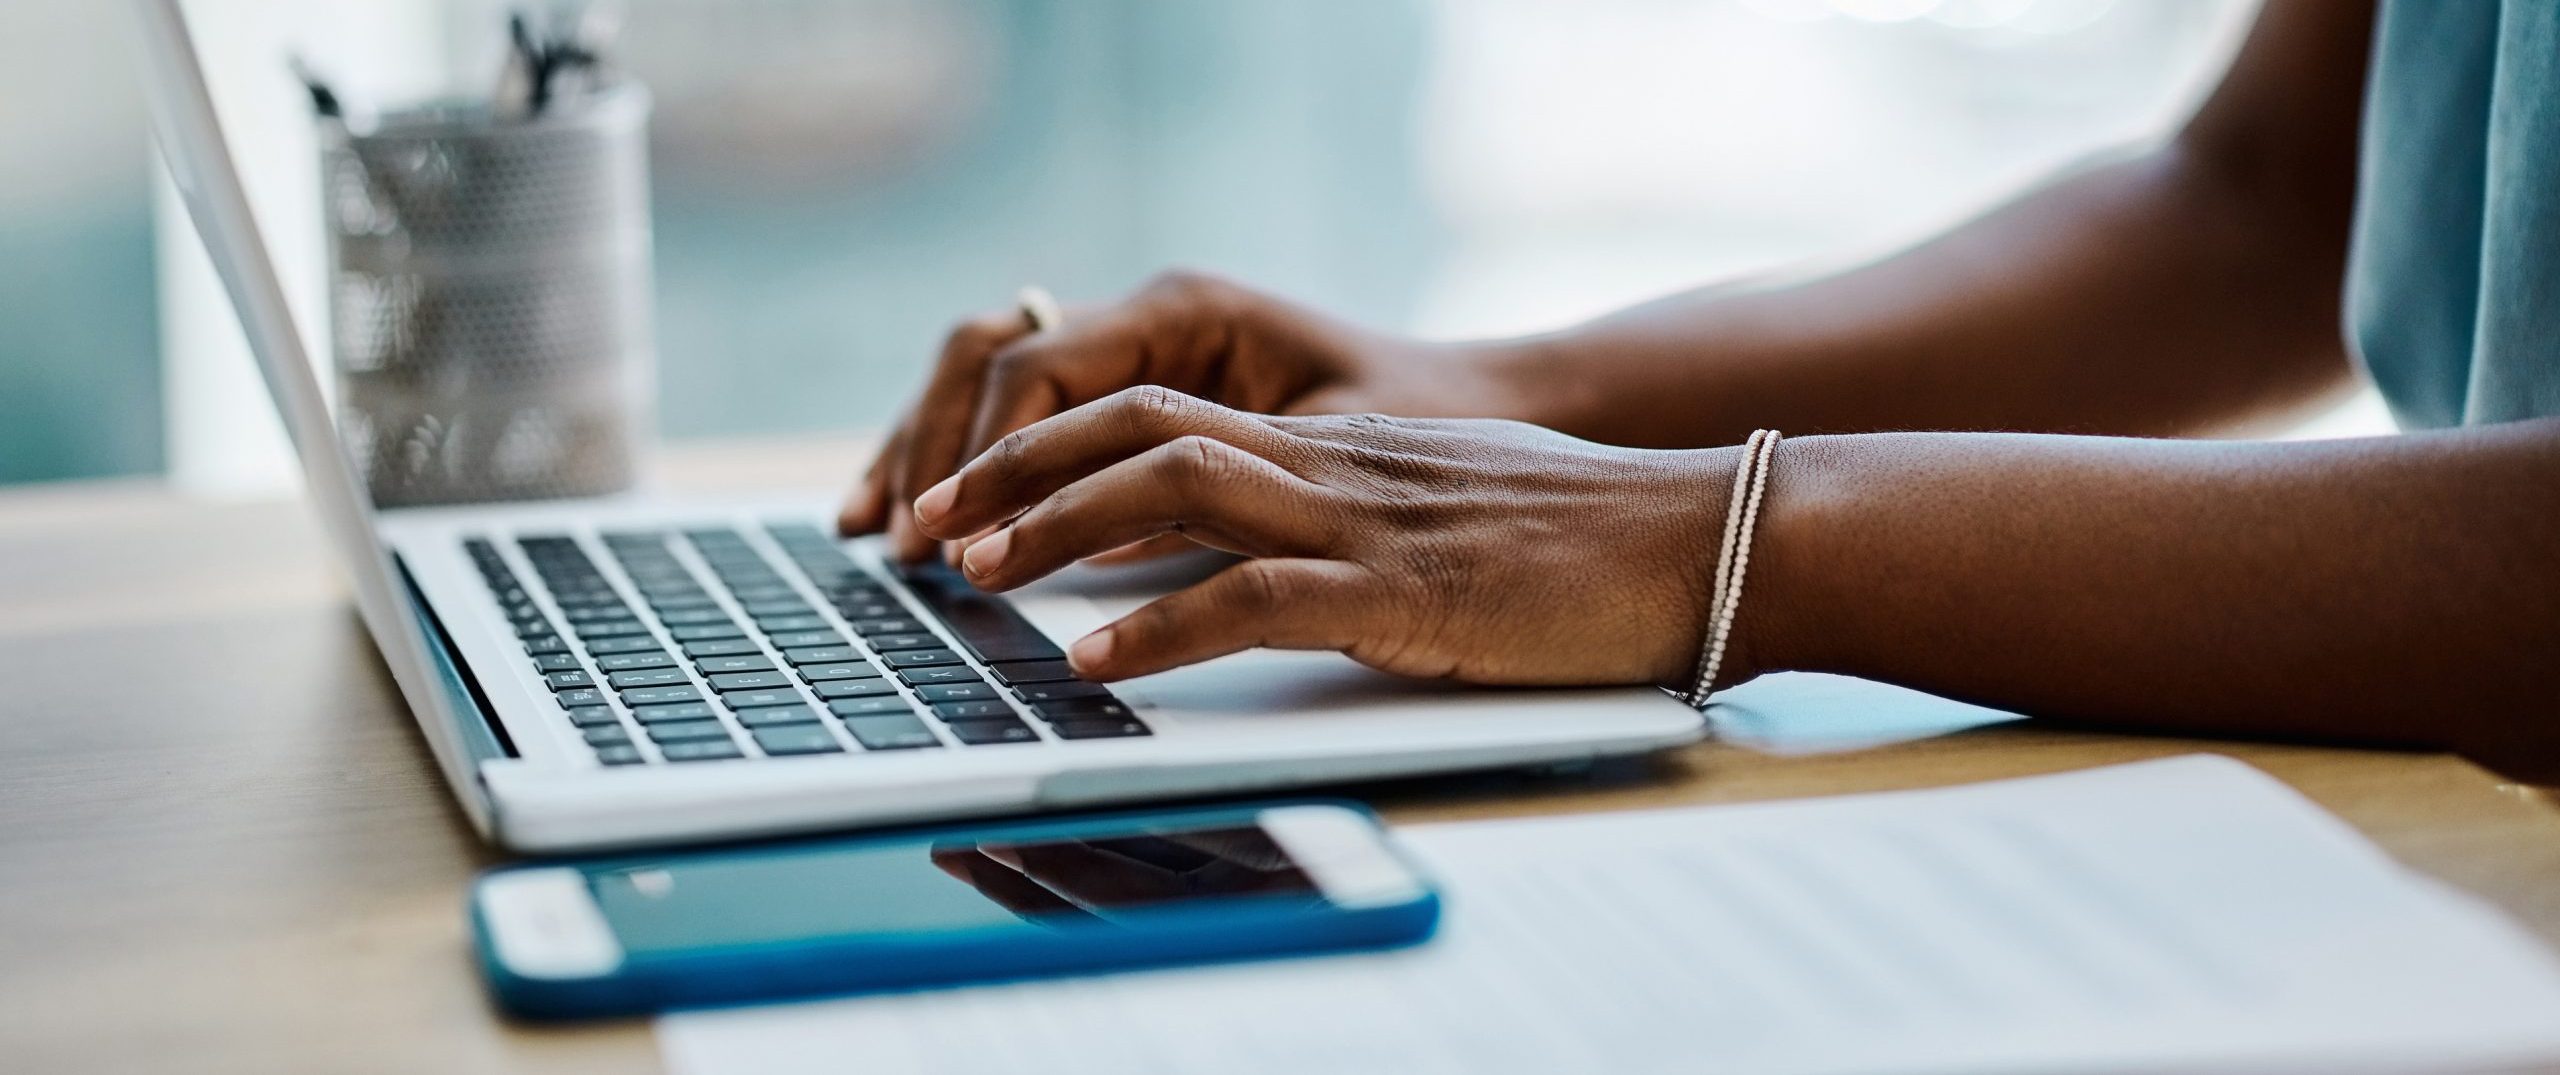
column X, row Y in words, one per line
column 1203, row 931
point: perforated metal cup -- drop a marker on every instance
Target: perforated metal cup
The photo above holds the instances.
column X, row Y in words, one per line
column 490, row 300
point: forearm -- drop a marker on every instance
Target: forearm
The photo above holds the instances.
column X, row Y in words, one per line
column 2132, row 298
column 2190, row 289
column 2398, row 590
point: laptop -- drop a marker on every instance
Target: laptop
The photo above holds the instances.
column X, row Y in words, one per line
column 640, row 670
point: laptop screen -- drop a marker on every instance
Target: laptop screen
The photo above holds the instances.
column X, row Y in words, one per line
column 201, row 163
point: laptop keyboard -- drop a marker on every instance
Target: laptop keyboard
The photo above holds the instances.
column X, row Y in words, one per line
column 743, row 664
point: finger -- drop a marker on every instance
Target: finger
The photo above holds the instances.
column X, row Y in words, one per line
column 1090, row 876
column 939, row 422
column 1025, row 468
column 1001, row 883
column 1280, row 604
column 1209, row 491
column 867, row 509
column 1163, row 336
column 1154, row 548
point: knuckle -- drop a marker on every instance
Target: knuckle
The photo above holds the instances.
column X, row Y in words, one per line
column 973, row 337
column 1153, row 408
column 1261, row 589
column 1195, row 463
column 1016, row 361
column 1003, row 460
column 1186, row 283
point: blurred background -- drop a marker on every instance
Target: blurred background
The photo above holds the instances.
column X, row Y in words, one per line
column 838, row 180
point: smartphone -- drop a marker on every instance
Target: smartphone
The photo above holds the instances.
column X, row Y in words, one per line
column 770, row 921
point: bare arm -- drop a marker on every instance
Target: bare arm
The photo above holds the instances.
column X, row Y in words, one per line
column 2398, row 590
column 2192, row 288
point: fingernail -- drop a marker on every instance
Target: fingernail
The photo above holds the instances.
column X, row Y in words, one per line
column 986, row 556
column 936, row 502
column 1090, row 651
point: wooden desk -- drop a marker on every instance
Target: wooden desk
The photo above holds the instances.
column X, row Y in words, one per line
column 223, row 847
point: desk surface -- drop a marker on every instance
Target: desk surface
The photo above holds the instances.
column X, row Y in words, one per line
column 223, row 847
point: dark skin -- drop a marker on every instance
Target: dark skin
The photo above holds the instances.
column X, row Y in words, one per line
column 2397, row 590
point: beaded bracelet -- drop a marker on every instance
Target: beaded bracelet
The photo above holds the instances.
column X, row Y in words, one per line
column 1733, row 559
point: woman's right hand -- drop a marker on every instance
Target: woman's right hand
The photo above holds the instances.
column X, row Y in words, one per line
column 1196, row 334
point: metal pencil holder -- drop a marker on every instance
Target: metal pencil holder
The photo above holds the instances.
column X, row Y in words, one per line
column 490, row 300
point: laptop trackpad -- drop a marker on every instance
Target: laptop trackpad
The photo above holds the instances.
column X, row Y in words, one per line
column 1068, row 605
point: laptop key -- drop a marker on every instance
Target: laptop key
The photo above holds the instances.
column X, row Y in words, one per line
column 927, row 677
column 869, row 707
column 889, row 643
column 821, row 673
column 584, row 696
column 754, row 698
column 628, row 644
column 890, row 733
column 985, row 732
column 892, row 625
column 777, row 606
column 1059, row 692
column 972, row 711
column 867, row 608
column 852, row 688
column 770, row 624
column 821, row 654
column 705, row 632
column 647, row 677
column 1081, row 709
column 533, row 629
column 671, row 711
column 791, row 640
column 790, row 739
column 767, row 716
column 597, row 613
column 703, row 750
column 987, row 626
column 688, row 731
column 556, row 662
column 721, row 647
column 748, row 681
column 681, row 617
column 660, row 695
column 712, row 666
column 957, row 692
column 563, row 681
column 544, row 645
column 1017, row 673
column 1098, row 728
column 620, row 754
column 920, row 658
column 592, row 716
column 606, row 735
column 634, row 662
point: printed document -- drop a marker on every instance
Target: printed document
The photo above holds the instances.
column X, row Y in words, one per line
column 2190, row 914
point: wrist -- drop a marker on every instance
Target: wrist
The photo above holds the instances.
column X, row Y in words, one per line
column 1692, row 497
column 1533, row 379
column 1735, row 624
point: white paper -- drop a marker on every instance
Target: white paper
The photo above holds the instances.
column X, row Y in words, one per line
column 2188, row 914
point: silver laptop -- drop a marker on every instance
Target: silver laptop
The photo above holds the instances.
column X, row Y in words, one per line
column 629, row 671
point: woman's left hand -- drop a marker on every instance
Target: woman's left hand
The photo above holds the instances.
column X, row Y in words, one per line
column 1486, row 551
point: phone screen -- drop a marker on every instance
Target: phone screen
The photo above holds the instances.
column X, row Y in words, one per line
column 937, row 885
